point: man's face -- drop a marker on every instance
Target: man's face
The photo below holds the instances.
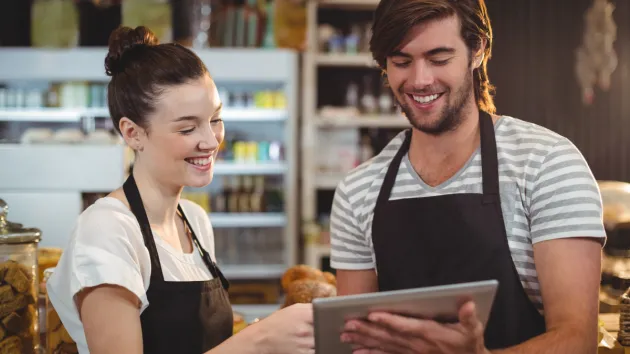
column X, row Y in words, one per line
column 431, row 76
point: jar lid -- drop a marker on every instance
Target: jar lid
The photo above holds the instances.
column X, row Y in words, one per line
column 48, row 272
column 621, row 281
column 13, row 232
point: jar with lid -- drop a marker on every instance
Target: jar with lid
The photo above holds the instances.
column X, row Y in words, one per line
column 18, row 286
column 623, row 337
column 58, row 340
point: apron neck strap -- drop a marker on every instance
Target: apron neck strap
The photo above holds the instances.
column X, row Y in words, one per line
column 207, row 259
column 489, row 162
column 137, row 208
column 489, row 158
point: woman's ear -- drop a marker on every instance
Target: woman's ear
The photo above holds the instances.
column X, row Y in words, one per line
column 132, row 133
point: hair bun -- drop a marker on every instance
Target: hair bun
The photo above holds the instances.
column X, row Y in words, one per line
column 124, row 40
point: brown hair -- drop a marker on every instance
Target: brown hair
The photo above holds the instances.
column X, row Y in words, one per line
column 394, row 18
column 141, row 68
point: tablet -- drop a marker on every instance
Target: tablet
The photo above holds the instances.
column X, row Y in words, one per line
column 440, row 303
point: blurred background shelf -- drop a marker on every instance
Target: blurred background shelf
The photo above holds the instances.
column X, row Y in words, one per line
column 254, row 271
column 359, row 60
column 349, row 4
column 75, row 114
column 254, row 168
column 369, row 121
column 259, row 108
column 248, row 220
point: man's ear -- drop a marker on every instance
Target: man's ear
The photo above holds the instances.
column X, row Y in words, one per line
column 480, row 54
column 132, row 133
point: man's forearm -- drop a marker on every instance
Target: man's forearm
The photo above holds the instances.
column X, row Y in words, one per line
column 565, row 340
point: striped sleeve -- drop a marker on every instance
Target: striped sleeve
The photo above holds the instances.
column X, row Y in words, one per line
column 565, row 198
column 350, row 249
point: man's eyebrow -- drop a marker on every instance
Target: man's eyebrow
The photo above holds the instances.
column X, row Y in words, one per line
column 440, row 50
column 398, row 53
column 432, row 52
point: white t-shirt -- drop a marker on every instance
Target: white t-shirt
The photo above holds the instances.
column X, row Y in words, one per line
column 547, row 192
column 107, row 247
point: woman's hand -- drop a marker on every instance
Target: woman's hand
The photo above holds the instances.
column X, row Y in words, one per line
column 288, row 331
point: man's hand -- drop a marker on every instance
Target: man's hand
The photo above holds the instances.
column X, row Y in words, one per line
column 385, row 333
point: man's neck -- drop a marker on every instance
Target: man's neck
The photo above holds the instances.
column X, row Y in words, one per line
column 436, row 158
column 160, row 200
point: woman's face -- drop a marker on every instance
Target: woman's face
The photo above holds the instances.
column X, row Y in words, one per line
column 184, row 134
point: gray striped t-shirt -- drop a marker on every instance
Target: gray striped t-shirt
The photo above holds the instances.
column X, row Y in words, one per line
column 547, row 192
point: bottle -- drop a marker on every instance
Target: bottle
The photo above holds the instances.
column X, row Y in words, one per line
column 366, row 151
column 368, row 100
column 244, row 197
column 352, row 95
column 385, row 102
column 257, row 202
column 221, row 198
column 233, row 197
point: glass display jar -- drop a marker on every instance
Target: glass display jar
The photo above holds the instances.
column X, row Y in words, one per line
column 18, row 286
column 616, row 216
column 58, row 340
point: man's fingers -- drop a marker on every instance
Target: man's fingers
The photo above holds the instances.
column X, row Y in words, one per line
column 469, row 319
column 369, row 351
column 404, row 325
column 373, row 336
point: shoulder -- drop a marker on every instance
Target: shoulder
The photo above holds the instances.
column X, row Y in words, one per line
column 200, row 222
column 107, row 221
column 359, row 185
column 516, row 135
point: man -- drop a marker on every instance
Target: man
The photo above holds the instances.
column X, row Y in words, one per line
column 466, row 195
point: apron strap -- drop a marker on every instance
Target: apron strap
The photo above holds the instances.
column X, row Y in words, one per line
column 137, row 208
column 489, row 159
column 392, row 171
column 207, row 259
column 489, row 163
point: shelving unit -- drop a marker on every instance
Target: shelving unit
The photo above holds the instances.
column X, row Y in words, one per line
column 54, row 177
column 75, row 114
column 314, row 123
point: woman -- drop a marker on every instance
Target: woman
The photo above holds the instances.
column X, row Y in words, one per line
column 138, row 275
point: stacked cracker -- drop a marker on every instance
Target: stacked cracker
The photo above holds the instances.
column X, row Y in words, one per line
column 18, row 320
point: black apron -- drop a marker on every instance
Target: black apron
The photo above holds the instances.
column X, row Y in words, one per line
column 187, row 317
column 456, row 238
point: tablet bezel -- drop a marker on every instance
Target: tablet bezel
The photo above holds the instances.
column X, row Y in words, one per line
column 330, row 314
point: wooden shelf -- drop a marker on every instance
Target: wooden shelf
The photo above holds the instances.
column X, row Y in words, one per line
column 376, row 121
column 349, row 4
column 343, row 59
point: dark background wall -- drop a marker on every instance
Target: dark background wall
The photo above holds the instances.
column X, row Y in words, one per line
column 533, row 69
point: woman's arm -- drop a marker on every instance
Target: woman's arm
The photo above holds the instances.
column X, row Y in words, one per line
column 111, row 319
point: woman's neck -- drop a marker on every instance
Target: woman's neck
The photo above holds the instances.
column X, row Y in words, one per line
column 160, row 200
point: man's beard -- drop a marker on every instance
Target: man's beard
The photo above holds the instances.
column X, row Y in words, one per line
column 450, row 117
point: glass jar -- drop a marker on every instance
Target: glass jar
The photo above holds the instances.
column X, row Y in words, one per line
column 18, row 286
column 623, row 337
column 58, row 340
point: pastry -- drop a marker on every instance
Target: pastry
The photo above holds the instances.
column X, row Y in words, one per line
column 11, row 345
column 305, row 290
column 330, row 278
column 299, row 272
